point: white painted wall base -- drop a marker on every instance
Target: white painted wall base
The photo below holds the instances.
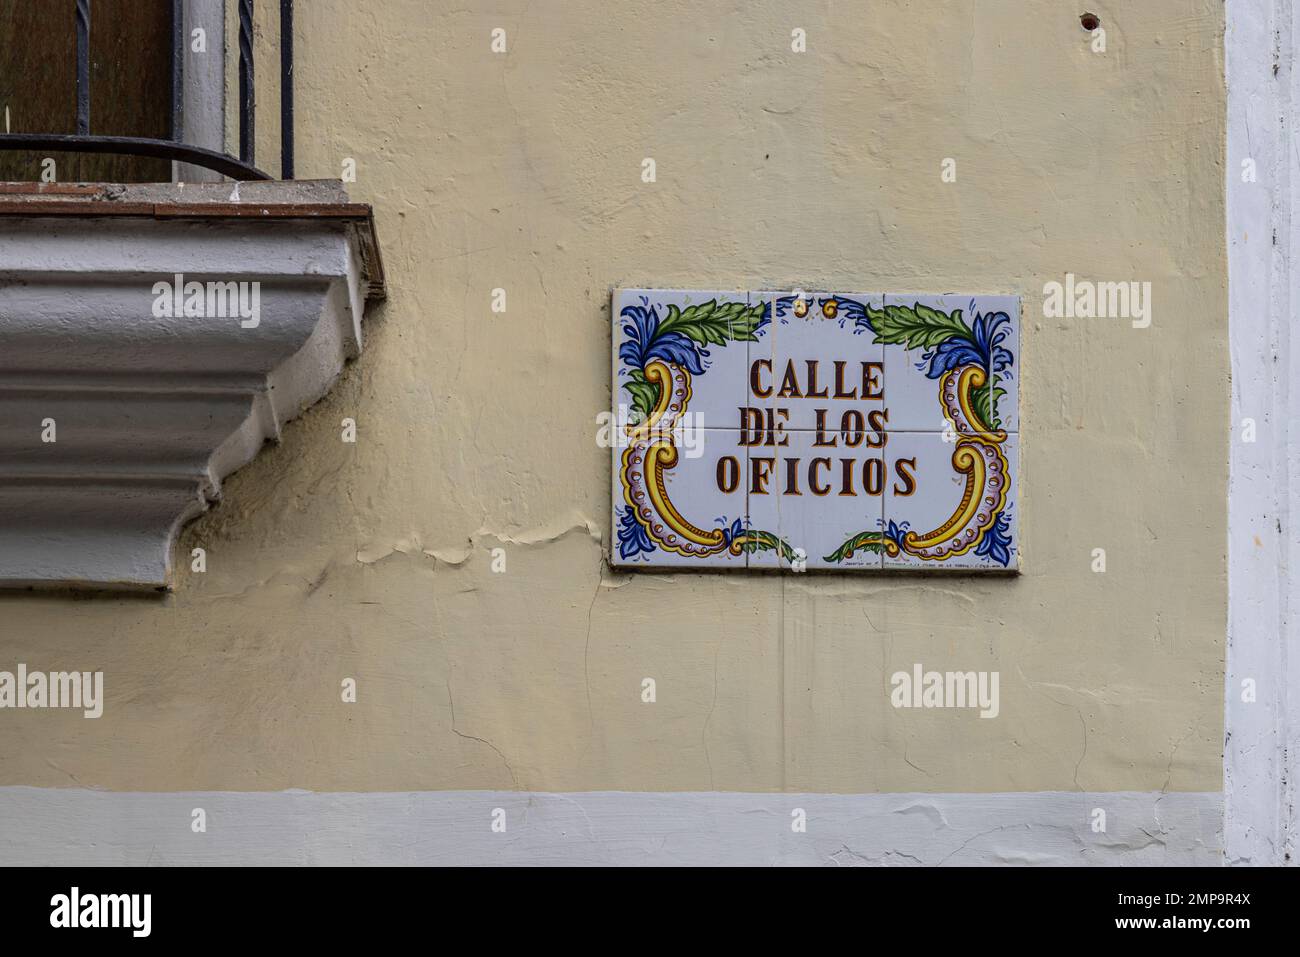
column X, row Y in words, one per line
column 53, row 826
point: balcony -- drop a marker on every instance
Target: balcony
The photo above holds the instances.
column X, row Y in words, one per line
column 155, row 334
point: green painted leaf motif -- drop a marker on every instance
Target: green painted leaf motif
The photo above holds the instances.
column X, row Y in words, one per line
column 982, row 405
column 645, row 395
column 986, row 404
column 997, row 394
column 713, row 323
column 861, row 542
column 916, row 327
column 756, row 541
column 744, row 327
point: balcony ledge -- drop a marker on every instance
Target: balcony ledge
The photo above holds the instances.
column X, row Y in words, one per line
column 147, row 409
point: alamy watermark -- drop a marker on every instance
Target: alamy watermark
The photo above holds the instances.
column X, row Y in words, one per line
column 75, row 909
column 54, row 689
column 1084, row 299
column 687, row 432
column 946, row 689
column 177, row 299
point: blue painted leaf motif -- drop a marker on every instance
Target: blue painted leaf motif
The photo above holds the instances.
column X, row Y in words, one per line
column 948, row 355
column 639, row 330
column 729, row 533
column 1002, row 357
column 675, row 347
column 982, row 346
column 862, row 323
column 784, row 308
column 849, row 310
column 996, row 543
column 895, row 531
column 989, row 336
column 644, row 342
column 632, row 538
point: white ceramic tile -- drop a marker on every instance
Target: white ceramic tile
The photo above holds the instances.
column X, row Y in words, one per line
column 804, row 404
column 1006, row 365
column 760, row 399
column 925, row 489
column 764, row 499
column 912, row 381
column 824, row 360
column 763, row 426
column 717, row 372
column 793, row 478
column 829, row 499
column 709, row 496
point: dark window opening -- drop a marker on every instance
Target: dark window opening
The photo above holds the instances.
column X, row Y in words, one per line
column 130, row 84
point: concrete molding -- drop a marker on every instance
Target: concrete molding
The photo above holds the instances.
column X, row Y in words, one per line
column 151, row 411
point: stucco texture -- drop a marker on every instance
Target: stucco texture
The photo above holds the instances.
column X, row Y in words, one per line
column 477, row 430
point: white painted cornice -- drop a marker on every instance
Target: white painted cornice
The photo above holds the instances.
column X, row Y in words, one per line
column 152, row 412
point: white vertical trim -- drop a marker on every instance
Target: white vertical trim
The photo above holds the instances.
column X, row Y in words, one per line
column 1261, row 752
column 203, row 90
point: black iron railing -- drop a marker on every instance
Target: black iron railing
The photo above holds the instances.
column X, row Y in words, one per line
column 243, row 167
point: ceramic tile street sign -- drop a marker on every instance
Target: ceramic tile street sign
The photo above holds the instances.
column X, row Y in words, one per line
column 798, row 429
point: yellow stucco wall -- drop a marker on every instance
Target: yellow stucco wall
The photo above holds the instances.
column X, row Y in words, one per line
column 477, row 430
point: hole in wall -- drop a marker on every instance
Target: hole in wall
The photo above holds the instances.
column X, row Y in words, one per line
column 1089, row 21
